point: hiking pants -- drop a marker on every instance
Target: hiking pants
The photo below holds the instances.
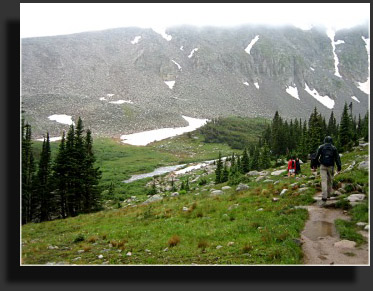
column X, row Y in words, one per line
column 326, row 174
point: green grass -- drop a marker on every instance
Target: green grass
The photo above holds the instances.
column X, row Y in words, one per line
column 260, row 237
column 347, row 230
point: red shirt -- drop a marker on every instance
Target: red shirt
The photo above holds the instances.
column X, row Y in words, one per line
column 290, row 166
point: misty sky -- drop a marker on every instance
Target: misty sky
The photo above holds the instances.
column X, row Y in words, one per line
column 45, row 19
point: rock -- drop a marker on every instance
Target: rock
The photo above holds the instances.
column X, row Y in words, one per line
column 242, row 187
column 80, row 251
column 361, row 224
column 185, row 208
column 165, row 250
column 364, row 165
column 259, row 178
column 260, row 209
column 277, row 173
column 345, row 244
column 174, row 194
column 77, row 258
column 302, row 189
column 274, row 199
column 231, row 243
column 293, row 185
column 366, row 227
column 219, row 247
column 153, row 198
column 216, row 193
column 129, row 254
column 337, row 193
column 356, row 197
column 100, row 256
column 234, row 206
column 283, row 191
column 275, row 183
column 226, row 188
column 268, row 181
column 253, row 173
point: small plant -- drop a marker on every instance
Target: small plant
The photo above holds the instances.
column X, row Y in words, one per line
column 92, row 239
column 174, row 241
column 247, row 248
column 203, row 244
column 87, row 248
column 79, row 238
column 202, row 182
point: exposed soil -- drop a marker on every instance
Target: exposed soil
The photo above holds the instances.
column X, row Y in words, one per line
column 320, row 235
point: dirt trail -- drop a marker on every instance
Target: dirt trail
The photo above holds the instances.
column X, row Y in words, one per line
column 320, row 235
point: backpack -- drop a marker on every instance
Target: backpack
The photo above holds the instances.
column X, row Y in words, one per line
column 293, row 164
column 327, row 155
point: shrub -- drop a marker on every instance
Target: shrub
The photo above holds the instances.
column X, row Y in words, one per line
column 247, row 248
column 174, row 241
column 203, row 244
column 79, row 238
column 92, row 239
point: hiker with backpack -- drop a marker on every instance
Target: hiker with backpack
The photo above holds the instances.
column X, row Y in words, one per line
column 291, row 167
column 327, row 155
column 297, row 166
column 314, row 163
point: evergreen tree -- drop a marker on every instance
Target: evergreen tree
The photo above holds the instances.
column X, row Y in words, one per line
column 28, row 174
column 70, row 167
column 44, row 183
column 60, row 177
column 315, row 134
column 245, row 161
column 345, row 130
column 90, row 177
column 218, row 170
column 255, row 160
column 332, row 127
column 265, row 159
column 225, row 175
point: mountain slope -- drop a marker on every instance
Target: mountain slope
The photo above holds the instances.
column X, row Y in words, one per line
column 214, row 70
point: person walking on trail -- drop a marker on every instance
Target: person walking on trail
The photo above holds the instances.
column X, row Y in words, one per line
column 314, row 163
column 297, row 166
column 291, row 167
column 327, row 155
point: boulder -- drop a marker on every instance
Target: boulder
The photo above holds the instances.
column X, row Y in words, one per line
column 345, row 244
column 277, row 173
column 356, row 197
column 242, row 187
column 153, row 198
column 174, row 194
column 226, row 188
column 283, row 191
column 260, row 178
column 253, row 173
column 216, row 192
column 364, row 165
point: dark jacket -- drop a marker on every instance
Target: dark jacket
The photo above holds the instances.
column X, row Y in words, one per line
column 337, row 159
column 297, row 166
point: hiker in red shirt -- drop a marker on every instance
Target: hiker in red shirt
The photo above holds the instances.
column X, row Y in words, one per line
column 291, row 167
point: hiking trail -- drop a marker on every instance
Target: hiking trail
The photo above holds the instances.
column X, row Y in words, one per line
column 321, row 243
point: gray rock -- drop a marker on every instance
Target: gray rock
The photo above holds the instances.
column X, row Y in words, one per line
column 356, row 197
column 174, row 194
column 153, row 198
column 345, row 244
column 366, row 227
column 283, row 191
column 242, row 187
column 364, row 165
column 275, row 199
column 253, row 173
column 300, row 190
column 268, row 181
column 216, row 193
column 219, row 247
column 259, row 178
column 277, row 173
column 260, row 209
column 361, row 224
column 226, row 188
column 185, row 208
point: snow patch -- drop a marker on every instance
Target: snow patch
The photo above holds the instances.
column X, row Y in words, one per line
column 256, row 85
column 365, row 87
column 109, row 95
column 355, row 98
column 182, row 48
column 146, row 137
column 162, row 32
column 192, row 52
column 62, row 118
column 324, row 100
column 312, row 69
column 170, row 84
column 136, row 39
column 245, row 83
column 121, row 102
column 293, row 91
column 103, row 99
column 331, row 33
column 339, row 42
column 177, row 65
column 56, row 138
column 253, row 41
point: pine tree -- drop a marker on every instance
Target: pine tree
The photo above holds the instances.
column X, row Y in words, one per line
column 245, row 161
column 70, row 166
column 44, row 183
column 345, row 130
column 225, row 175
column 90, row 177
column 60, row 177
column 265, row 158
column 218, row 170
column 255, row 159
column 315, row 134
column 28, row 174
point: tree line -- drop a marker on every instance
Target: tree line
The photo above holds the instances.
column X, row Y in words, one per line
column 65, row 186
column 282, row 139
